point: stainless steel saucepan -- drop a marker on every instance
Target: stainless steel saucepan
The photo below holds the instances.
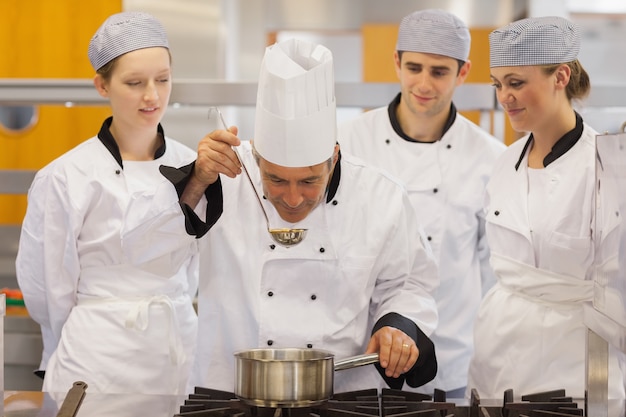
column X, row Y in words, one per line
column 291, row 377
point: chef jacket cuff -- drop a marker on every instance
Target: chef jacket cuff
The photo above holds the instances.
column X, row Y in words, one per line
column 425, row 368
column 179, row 177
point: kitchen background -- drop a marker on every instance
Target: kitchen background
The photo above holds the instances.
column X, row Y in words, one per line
column 48, row 104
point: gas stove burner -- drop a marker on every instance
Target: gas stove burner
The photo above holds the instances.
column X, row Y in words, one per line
column 205, row 402
column 397, row 403
column 547, row 403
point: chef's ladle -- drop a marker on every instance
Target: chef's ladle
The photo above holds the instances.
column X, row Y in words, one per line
column 284, row 236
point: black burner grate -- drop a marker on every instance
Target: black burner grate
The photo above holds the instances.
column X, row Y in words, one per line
column 396, row 403
column 549, row 403
column 206, row 402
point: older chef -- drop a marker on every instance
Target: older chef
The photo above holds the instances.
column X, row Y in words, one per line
column 530, row 333
column 444, row 160
column 360, row 281
column 103, row 321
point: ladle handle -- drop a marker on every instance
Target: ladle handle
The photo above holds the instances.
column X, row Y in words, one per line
column 355, row 361
column 245, row 170
column 243, row 166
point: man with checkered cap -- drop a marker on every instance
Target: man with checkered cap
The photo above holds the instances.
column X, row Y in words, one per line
column 444, row 160
column 361, row 279
column 530, row 334
column 104, row 321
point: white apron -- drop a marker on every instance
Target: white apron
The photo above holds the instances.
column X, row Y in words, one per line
column 100, row 317
column 530, row 333
column 154, row 334
column 542, row 315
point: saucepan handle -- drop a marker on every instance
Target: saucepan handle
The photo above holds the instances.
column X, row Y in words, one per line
column 354, row 361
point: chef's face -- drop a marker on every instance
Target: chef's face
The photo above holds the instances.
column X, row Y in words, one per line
column 138, row 87
column 427, row 81
column 295, row 192
column 527, row 95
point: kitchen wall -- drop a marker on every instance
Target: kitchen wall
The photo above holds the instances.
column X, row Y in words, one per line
column 43, row 39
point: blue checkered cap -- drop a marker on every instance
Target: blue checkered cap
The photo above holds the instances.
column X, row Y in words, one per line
column 125, row 32
column 434, row 31
column 534, row 41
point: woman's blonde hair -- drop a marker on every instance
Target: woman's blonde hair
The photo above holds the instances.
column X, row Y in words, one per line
column 579, row 84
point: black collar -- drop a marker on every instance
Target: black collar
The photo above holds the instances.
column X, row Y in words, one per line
column 334, row 181
column 108, row 141
column 395, row 124
column 559, row 149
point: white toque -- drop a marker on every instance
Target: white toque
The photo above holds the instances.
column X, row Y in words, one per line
column 296, row 120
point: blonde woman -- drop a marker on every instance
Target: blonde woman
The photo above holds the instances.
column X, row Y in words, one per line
column 104, row 322
column 530, row 334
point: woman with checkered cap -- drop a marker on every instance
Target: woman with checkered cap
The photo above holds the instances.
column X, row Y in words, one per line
column 104, row 322
column 529, row 334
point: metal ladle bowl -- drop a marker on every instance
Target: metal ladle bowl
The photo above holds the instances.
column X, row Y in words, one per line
column 284, row 236
column 288, row 237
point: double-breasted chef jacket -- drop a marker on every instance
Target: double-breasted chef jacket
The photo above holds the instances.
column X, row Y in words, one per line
column 530, row 334
column 446, row 182
column 363, row 264
column 103, row 321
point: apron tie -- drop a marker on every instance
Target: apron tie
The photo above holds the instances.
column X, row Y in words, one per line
column 541, row 285
column 138, row 319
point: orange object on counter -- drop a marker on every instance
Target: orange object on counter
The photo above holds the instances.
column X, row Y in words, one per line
column 13, row 293
column 22, row 400
column 14, row 302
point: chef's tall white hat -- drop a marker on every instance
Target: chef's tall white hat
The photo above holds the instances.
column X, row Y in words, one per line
column 434, row 31
column 125, row 32
column 534, row 41
column 296, row 118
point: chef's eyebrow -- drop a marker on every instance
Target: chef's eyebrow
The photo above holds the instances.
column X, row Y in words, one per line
column 509, row 75
column 433, row 67
column 311, row 178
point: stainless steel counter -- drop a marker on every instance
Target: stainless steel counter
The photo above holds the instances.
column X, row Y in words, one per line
column 22, row 336
column 22, row 353
column 39, row 404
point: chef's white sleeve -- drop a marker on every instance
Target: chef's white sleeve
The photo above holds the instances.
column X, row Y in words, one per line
column 47, row 264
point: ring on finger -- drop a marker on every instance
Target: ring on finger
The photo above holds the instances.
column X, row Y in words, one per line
column 406, row 346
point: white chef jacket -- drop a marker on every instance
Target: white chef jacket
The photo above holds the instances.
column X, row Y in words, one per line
column 104, row 322
column 529, row 334
column 446, row 182
column 362, row 258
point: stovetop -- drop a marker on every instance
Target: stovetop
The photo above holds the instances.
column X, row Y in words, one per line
column 367, row 403
column 390, row 403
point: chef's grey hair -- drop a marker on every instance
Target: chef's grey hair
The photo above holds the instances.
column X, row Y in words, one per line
column 257, row 158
